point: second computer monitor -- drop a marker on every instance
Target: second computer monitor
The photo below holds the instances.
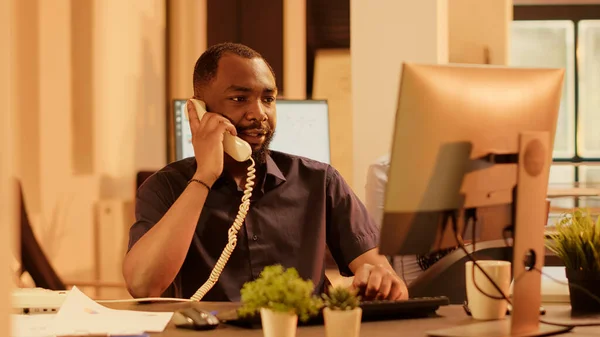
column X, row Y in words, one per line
column 302, row 129
column 449, row 115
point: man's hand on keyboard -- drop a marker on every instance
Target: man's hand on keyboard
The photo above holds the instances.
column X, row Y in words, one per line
column 378, row 282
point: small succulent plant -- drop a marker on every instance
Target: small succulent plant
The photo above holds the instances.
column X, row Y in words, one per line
column 281, row 290
column 341, row 298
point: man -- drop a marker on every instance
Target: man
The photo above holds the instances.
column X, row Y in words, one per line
column 298, row 206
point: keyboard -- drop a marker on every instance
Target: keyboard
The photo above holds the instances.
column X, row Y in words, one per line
column 371, row 311
column 411, row 308
column 37, row 300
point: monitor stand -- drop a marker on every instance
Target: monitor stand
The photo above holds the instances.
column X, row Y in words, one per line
column 530, row 217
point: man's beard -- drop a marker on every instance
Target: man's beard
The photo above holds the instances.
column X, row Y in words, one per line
column 260, row 155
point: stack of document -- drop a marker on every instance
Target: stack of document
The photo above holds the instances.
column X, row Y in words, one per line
column 79, row 315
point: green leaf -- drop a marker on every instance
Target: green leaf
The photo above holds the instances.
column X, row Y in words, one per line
column 577, row 240
column 341, row 298
column 281, row 290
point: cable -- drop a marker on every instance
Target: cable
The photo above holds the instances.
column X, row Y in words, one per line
column 564, row 325
column 570, row 285
column 475, row 264
column 146, row 299
column 470, row 256
column 471, row 214
column 232, row 237
column 227, row 251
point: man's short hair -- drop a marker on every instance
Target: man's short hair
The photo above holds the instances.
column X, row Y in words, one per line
column 205, row 69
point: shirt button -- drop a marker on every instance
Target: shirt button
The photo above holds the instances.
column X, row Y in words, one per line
column 255, row 238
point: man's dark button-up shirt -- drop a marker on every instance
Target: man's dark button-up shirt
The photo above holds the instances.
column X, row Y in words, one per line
column 298, row 208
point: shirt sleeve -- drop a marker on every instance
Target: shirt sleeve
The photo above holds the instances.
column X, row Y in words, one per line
column 152, row 202
column 351, row 231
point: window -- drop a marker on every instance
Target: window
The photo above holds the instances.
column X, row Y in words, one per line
column 567, row 37
column 588, row 57
column 550, row 44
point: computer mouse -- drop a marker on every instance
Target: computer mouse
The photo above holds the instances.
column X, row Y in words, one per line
column 195, row 319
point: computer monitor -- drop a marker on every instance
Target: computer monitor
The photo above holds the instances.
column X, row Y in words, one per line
column 455, row 125
column 447, row 116
column 182, row 134
column 302, row 129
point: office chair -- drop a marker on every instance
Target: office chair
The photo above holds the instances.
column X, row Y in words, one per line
column 33, row 258
column 447, row 276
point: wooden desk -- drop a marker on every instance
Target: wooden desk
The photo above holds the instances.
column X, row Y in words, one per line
column 449, row 316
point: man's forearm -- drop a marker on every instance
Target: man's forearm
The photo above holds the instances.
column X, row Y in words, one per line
column 371, row 257
column 155, row 259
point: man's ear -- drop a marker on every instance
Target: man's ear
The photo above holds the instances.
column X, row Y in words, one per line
column 199, row 92
column 199, row 95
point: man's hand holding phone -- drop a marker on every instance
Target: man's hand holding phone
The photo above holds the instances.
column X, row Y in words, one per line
column 208, row 129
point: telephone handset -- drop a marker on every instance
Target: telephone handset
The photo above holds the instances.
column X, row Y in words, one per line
column 241, row 151
column 237, row 148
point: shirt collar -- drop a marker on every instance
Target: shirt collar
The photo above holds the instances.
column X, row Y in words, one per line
column 274, row 176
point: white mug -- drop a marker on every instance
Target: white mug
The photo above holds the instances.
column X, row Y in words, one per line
column 481, row 306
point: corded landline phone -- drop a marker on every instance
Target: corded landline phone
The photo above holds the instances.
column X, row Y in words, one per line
column 239, row 150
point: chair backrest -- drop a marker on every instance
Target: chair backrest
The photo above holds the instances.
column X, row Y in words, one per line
column 33, row 258
column 447, row 276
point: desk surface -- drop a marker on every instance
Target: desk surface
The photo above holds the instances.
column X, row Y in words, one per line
column 449, row 316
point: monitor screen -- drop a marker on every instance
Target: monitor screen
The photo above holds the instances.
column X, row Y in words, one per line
column 302, row 129
column 183, row 134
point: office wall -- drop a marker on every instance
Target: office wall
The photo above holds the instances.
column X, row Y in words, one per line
column 187, row 40
column 383, row 35
column 479, row 31
column 26, row 96
column 129, row 91
column 332, row 82
column 294, row 49
column 7, row 200
column 90, row 112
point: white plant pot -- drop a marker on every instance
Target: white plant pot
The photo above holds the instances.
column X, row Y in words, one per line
column 278, row 324
column 342, row 323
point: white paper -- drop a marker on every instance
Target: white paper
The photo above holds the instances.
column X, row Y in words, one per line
column 32, row 325
column 79, row 315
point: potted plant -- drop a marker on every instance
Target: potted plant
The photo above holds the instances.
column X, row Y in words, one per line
column 342, row 314
column 281, row 296
column 576, row 241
